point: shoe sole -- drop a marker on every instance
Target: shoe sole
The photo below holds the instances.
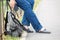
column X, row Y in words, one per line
column 45, row 32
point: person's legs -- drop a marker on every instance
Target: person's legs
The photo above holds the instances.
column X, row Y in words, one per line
column 25, row 21
column 31, row 3
column 29, row 14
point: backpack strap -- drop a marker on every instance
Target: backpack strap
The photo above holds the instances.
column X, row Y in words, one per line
column 6, row 19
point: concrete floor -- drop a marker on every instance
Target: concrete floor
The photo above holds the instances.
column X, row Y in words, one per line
column 49, row 17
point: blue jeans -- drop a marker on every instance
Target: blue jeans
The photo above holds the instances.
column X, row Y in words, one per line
column 29, row 14
column 25, row 21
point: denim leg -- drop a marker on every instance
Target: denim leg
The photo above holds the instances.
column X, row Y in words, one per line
column 25, row 21
column 31, row 3
column 29, row 14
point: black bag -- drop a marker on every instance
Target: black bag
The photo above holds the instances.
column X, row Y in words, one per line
column 12, row 26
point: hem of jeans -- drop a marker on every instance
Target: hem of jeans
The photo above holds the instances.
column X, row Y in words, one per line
column 39, row 29
column 26, row 24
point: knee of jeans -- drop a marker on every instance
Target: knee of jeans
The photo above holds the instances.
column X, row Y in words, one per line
column 27, row 6
column 23, row 5
column 31, row 1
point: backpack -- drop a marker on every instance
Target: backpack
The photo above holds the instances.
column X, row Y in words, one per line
column 12, row 25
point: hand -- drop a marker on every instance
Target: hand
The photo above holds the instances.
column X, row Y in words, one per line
column 12, row 3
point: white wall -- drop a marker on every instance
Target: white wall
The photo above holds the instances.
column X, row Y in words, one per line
column 48, row 13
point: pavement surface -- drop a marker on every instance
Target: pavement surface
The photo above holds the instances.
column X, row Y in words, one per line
column 48, row 13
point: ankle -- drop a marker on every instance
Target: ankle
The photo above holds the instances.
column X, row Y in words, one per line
column 42, row 29
column 26, row 26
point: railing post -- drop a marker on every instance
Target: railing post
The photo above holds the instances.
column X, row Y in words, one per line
column 1, row 19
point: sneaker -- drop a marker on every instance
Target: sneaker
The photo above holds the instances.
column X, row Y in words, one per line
column 29, row 31
column 43, row 30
